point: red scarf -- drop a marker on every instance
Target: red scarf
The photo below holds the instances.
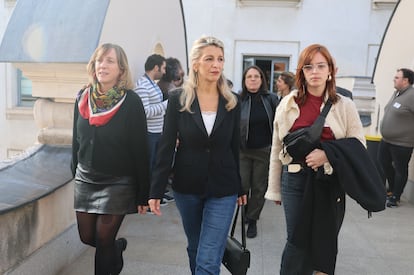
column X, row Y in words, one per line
column 97, row 108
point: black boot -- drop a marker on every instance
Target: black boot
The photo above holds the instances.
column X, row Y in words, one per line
column 252, row 229
column 120, row 246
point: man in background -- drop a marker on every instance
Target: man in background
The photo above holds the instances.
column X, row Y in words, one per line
column 397, row 132
column 153, row 100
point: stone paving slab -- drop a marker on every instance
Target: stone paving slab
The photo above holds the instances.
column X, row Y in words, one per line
column 383, row 244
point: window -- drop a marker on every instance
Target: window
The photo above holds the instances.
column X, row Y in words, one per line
column 24, row 90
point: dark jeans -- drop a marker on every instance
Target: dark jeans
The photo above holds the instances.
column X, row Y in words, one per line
column 295, row 261
column 254, row 172
column 394, row 160
column 153, row 139
column 206, row 224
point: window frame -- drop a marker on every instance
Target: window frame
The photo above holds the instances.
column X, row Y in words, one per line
column 24, row 99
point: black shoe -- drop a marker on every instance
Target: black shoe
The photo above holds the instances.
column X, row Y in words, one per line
column 120, row 246
column 252, row 229
column 392, row 202
column 168, row 198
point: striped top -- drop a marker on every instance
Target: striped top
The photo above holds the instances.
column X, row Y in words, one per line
column 152, row 99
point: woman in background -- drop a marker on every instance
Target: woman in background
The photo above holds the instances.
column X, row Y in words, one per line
column 258, row 107
column 285, row 84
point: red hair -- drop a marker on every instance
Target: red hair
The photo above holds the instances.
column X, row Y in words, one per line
column 304, row 59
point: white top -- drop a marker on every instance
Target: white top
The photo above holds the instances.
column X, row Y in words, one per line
column 209, row 118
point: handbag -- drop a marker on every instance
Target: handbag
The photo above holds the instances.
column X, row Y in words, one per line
column 236, row 256
column 301, row 142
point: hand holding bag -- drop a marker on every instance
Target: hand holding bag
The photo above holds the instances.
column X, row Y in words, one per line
column 301, row 142
column 236, row 256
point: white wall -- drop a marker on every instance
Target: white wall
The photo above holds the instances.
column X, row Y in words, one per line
column 397, row 52
column 139, row 29
column 351, row 29
column 348, row 28
column 17, row 127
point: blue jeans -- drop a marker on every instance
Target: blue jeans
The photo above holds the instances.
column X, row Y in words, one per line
column 295, row 261
column 206, row 224
column 153, row 139
column 394, row 160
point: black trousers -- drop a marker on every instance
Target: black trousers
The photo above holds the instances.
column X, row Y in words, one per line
column 254, row 172
column 394, row 161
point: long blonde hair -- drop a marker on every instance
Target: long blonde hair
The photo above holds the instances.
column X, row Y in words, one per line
column 191, row 84
column 125, row 79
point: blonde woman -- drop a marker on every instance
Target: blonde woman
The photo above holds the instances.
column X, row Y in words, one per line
column 205, row 116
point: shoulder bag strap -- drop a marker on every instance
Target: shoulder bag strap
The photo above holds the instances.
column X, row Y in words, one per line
column 326, row 108
column 317, row 126
column 243, row 224
column 233, row 227
column 320, row 120
column 243, row 229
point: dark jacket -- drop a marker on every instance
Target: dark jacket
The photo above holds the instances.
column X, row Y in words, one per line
column 118, row 148
column 344, row 92
column 323, row 205
column 204, row 165
column 270, row 102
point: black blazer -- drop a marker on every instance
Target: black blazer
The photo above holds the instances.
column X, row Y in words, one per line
column 203, row 165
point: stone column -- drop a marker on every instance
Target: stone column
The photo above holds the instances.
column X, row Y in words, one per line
column 55, row 85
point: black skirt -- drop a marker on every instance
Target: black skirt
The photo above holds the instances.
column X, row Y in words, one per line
column 104, row 194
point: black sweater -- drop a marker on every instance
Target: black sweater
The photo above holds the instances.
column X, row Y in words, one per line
column 118, row 148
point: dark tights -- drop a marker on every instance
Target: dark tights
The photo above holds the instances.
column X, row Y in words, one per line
column 99, row 231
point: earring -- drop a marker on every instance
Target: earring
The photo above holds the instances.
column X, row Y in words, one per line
column 329, row 77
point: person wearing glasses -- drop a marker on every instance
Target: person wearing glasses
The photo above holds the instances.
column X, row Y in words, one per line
column 205, row 117
column 397, row 132
column 311, row 191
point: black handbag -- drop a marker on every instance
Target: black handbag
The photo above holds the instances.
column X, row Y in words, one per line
column 236, row 256
column 301, row 142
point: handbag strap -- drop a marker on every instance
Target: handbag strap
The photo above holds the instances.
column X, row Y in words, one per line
column 243, row 230
column 326, row 108
column 320, row 120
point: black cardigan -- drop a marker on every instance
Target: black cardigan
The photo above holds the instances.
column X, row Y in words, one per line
column 118, row 148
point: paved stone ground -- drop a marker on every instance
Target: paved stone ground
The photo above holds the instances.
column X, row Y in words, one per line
column 383, row 244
